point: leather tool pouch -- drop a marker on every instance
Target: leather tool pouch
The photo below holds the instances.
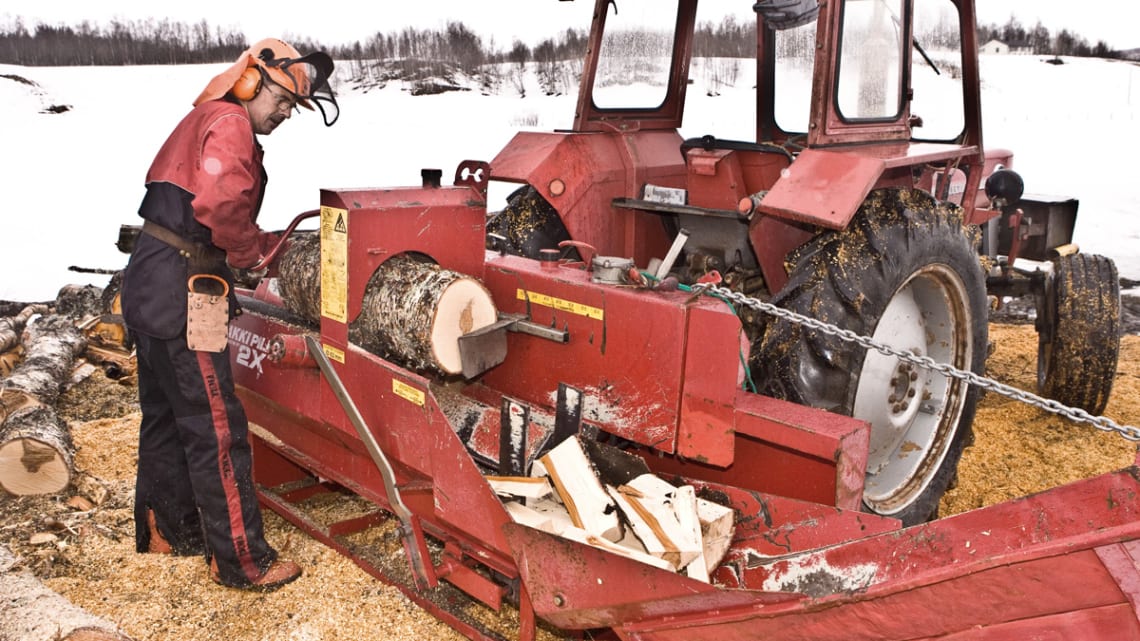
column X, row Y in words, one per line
column 207, row 314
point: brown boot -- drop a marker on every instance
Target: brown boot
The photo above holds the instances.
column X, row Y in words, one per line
column 278, row 574
column 158, row 543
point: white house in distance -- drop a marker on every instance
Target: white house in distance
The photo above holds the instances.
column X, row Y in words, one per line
column 994, row 46
column 1001, row 48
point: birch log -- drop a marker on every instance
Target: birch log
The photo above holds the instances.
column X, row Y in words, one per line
column 413, row 311
column 36, row 450
column 11, row 327
column 32, row 612
column 416, row 311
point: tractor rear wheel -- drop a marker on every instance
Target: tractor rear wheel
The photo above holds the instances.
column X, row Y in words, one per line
column 1078, row 332
column 905, row 272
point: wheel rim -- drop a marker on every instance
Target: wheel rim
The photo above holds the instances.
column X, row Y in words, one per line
column 913, row 411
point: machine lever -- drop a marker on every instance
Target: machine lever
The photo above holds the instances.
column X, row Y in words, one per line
column 409, row 528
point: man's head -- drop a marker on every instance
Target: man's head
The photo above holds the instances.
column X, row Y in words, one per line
column 271, row 78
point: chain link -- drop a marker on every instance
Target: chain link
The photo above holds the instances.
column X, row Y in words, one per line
column 1072, row 413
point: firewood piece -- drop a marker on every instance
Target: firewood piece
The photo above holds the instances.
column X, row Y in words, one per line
column 717, row 524
column 530, row 517
column 32, row 612
column 685, row 507
column 579, row 489
column 653, row 518
column 522, row 486
column 582, row 536
column 414, row 312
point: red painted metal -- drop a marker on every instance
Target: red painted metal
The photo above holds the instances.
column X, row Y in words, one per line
column 659, row 373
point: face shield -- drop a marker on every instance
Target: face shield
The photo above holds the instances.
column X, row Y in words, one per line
column 307, row 78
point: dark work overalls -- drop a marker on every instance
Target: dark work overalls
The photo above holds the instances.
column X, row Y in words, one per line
column 194, row 463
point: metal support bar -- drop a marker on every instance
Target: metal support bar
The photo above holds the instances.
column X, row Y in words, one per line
column 414, row 543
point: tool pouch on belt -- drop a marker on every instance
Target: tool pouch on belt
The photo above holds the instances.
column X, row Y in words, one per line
column 207, row 315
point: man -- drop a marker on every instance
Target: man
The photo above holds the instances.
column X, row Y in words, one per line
column 194, row 491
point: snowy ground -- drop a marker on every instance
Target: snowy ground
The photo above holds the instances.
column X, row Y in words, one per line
column 71, row 179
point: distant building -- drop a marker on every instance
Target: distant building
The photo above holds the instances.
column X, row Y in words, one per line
column 995, row 46
column 999, row 47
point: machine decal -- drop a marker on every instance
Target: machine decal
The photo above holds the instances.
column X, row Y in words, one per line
column 334, row 264
column 407, row 392
column 561, row 305
column 333, row 353
column 252, row 348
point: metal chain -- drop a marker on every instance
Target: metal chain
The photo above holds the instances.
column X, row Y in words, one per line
column 1072, row 413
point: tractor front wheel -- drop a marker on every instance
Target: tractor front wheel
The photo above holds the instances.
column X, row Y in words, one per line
column 907, row 274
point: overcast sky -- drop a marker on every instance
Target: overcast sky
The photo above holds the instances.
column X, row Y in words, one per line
column 345, row 21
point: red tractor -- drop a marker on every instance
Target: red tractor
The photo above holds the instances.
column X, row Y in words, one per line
column 789, row 331
column 859, row 202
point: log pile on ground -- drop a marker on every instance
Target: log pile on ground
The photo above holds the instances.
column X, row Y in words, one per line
column 413, row 311
column 40, row 349
column 603, row 497
column 36, row 450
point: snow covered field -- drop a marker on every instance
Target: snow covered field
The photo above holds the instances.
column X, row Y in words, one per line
column 70, row 179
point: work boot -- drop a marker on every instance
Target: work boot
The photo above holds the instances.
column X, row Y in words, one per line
column 278, row 574
column 158, row 543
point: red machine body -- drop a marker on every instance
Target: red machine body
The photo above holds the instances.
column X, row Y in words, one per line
column 662, row 374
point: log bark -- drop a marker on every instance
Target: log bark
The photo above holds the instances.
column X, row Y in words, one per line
column 12, row 326
column 36, row 450
column 32, row 612
column 413, row 311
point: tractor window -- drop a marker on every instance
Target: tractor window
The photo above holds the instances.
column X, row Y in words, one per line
column 635, row 56
column 795, row 64
column 936, row 71
column 870, row 67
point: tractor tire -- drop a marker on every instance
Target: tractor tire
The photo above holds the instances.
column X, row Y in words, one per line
column 1079, row 332
column 905, row 272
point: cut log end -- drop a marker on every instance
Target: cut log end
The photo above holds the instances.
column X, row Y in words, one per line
column 29, row 466
column 464, row 306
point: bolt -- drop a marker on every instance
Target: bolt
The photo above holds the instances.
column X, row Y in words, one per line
column 559, row 601
column 914, row 376
column 910, row 393
column 892, row 398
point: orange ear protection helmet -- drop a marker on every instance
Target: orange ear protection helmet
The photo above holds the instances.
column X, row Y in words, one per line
column 248, row 83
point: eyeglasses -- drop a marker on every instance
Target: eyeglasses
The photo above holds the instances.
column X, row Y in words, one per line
column 285, row 101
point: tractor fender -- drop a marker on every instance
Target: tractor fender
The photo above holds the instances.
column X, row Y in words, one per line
column 823, row 188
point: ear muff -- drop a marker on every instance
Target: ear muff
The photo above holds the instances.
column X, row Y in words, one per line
column 248, row 84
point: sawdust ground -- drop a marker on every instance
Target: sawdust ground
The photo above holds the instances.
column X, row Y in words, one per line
column 91, row 560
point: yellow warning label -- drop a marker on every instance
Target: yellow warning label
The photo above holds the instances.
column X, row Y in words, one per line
column 333, row 353
column 561, row 305
column 407, row 392
column 334, row 264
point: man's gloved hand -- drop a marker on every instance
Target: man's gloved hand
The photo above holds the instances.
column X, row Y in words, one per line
column 248, row 277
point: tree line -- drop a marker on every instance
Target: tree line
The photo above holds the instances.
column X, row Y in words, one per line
column 154, row 41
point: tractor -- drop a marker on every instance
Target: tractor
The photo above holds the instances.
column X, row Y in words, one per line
column 789, row 331
column 865, row 199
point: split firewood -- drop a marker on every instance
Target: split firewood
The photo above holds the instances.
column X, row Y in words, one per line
column 579, row 489
column 413, row 312
column 36, row 450
column 527, row 487
column 716, row 521
column 32, row 612
column 653, row 518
